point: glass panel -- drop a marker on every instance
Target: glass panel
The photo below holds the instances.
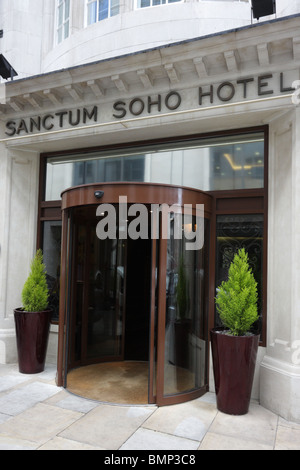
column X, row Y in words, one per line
column 154, row 332
column 185, row 337
column 138, row 272
column 212, row 164
column 67, row 9
column 63, row 20
column 92, row 12
column 59, row 35
column 235, row 232
column 112, row 170
column 143, row 3
column 60, row 14
column 51, row 255
column 148, row 3
column 114, row 7
column 103, row 10
column 58, row 178
column 79, row 288
column 237, row 165
column 105, row 297
column 66, row 30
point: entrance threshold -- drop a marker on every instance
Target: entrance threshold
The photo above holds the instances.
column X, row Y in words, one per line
column 122, row 383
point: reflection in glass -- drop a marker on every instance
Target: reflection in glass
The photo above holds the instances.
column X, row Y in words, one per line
column 92, row 12
column 235, row 232
column 99, row 10
column 51, row 255
column 81, row 247
column 98, row 292
column 105, row 298
column 63, row 20
column 154, row 304
column 185, row 337
column 114, row 7
column 148, row 3
column 211, row 164
column 103, row 10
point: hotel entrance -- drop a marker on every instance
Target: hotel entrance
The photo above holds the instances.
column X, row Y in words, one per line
column 109, row 327
column 133, row 307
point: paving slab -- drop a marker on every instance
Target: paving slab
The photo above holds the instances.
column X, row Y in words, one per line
column 288, row 424
column 38, row 424
column 108, row 426
column 258, row 425
column 14, row 443
column 8, row 382
column 209, row 397
column 145, row 439
column 19, row 400
column 213, row 441
column 4, row 417
column 72, row 402
column 49, row 374
column 188, row 420
column 287, row 438
column 59, row 443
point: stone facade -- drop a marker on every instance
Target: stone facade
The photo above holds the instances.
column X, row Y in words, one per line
column 229, row 80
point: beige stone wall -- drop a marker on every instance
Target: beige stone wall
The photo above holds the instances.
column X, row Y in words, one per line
column 280, row 371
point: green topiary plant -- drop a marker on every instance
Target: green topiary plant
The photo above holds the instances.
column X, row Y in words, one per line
column 35, row 291
column 236, row 300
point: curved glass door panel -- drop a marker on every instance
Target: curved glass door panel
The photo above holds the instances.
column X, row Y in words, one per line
column 105, row 298
column 78, row 299
column 137, row 298
column 185, row 322
column 97, row 292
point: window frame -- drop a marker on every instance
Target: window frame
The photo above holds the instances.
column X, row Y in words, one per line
column 168, row 2
column 225, row 202
column 61, row 27
column 90, row 2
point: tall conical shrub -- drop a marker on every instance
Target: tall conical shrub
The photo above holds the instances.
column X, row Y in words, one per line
column 236, row 300
column 35, row 291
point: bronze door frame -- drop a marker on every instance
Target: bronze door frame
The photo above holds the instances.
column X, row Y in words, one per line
column 143, row 193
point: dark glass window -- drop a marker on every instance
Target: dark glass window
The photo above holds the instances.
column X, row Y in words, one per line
column 220, row 163
column 235, row 232
column 51, row 255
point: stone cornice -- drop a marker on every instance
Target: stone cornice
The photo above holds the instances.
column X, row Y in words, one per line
column 266, row 48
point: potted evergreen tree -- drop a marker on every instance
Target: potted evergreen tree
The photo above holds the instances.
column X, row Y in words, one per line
column 32, row 321
column 234, row 347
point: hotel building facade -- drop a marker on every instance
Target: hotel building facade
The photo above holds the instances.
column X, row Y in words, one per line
column 139, row 104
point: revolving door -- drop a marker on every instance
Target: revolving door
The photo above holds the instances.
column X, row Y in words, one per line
column 134, row 284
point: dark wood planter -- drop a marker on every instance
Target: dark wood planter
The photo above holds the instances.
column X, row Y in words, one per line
column 32, row 334
column 234, row 359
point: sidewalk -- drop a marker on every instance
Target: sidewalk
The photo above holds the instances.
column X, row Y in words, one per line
column 37, row 415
